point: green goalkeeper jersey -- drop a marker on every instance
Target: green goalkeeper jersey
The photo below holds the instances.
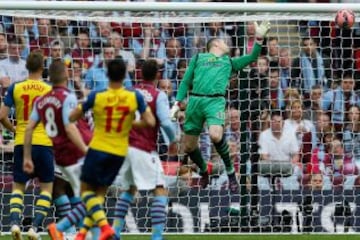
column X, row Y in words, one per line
column 209, row 75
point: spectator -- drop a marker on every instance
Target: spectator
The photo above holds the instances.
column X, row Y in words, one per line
column 233, row 92
column 295, row 123
column 96, row 77
column 291, row 94
column 150, row 44
column 337, row 102
column 340, row 168
column 3, row 46
column 82, row 50
column 310, row 68
column 211, row 30
column 259, row 87
column 44, row 39
column 75, row 82
column 246, row 38
column 351, row 136
column 232, row 130
column 166, row 86
column 180, row 71
column 311, row 141
column 170, row 62
column 12, row 68
column 313, row 109
column 117, row 41
column 234, row 148
column 316, row 181
column 320, row 154
column 285, row 66
column 56, row 52
column 26, row 30
column 181, row 33
column 276, row 94
column 273, row 51
column 101, row 37
column 62, row 30
column 278, row 148
column 258, row 77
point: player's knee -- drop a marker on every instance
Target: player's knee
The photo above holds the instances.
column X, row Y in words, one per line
column 189, row 147
column 216, row 137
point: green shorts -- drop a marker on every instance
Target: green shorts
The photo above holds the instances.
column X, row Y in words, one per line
column 203, row 109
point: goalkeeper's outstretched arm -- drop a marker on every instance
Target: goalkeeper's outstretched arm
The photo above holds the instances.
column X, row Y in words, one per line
column 239, row 63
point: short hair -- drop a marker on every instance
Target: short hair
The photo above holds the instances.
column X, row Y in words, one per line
column 57, row 72
column 348, row 74
column 285, row 49
column 273, row 38
column 14, row 40
column 276, row 112
column 35, row 61
column 310, row 39
column 83, row 30
column 296, row 101
column 116, row 70
column 316, row 87
column 274, row 69
column 57, row 42
column 149, row 70
column 210, row 43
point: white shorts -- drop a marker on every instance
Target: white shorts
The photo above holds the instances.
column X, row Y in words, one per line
column 71, row 174
column 141, row 169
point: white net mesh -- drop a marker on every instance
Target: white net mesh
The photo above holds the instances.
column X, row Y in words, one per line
column 273, row 198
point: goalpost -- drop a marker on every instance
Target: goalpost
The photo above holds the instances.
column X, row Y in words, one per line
column 261, row 206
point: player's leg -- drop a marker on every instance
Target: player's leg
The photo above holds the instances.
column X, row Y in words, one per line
column 126, row 181
column 78, row 212
column 215, row 118
column 70, row 191
column 122, row 206
column 17, row 194
column 158, row 212
column 98, row 172
column 61, row 202
column 16, row 209
column 193, row 126
column 44, row 168
column 148, row 174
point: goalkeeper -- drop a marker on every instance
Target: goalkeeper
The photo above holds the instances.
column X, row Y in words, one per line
column 207, row 79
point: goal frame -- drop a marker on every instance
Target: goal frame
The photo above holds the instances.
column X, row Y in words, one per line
column 177, row 6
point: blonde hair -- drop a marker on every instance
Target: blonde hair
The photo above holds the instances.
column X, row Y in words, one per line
column 291, row 93
column 293, row 102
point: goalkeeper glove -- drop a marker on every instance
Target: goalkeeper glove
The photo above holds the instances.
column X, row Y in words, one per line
column 261, row 31
column 174, row 110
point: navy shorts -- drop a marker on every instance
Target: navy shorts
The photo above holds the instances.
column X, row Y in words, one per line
column 100, row 168
column 43, row 158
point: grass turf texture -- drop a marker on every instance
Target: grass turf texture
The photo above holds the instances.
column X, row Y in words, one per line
column 233, row 237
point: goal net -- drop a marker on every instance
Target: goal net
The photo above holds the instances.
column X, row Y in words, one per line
column 308, row 69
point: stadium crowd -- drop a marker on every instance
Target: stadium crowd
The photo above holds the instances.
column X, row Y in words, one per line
column 292, row 114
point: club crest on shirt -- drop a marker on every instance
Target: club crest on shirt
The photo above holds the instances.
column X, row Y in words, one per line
column 147, row 96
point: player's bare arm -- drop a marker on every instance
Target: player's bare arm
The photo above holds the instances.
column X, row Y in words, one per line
column 74, row 135
column 4, row 119
column 75, row 114
column 28, row 165
column 147, row 120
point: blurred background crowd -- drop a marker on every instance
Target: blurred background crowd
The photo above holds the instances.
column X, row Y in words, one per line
column 293, row 116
